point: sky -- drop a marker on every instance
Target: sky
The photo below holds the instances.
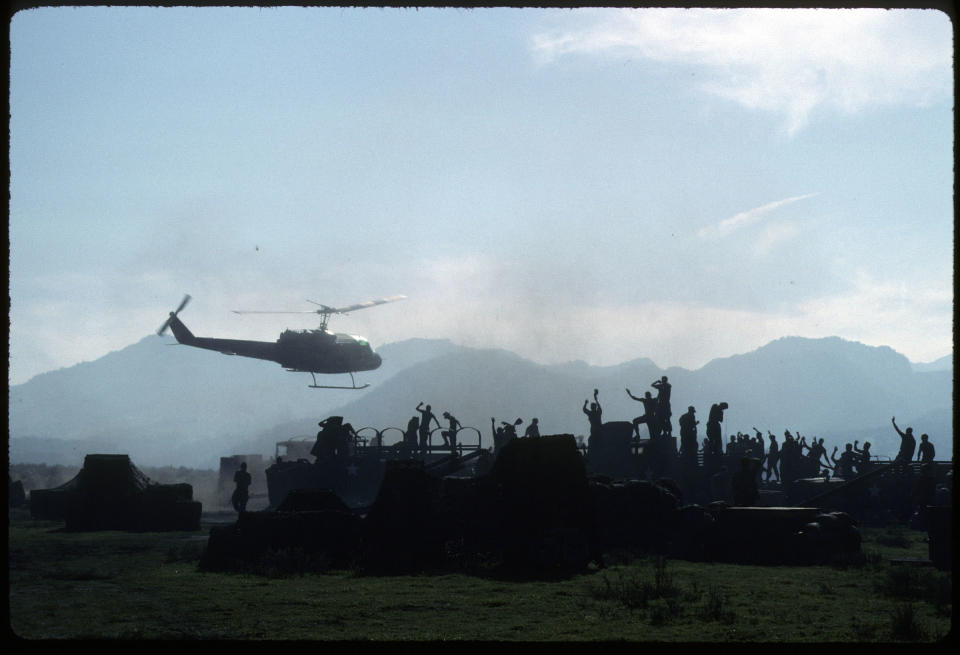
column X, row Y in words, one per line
column 569, row 184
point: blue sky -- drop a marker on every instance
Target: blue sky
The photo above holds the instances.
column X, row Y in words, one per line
column 591, row 184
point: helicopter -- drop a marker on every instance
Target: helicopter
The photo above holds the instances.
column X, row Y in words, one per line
column 298, row 351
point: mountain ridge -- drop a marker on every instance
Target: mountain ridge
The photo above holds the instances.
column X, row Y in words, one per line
column 181, row 406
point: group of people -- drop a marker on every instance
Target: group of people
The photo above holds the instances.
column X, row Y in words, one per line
column 417, row 434
column 792, row 459
column 507, row 432
column 656, row 411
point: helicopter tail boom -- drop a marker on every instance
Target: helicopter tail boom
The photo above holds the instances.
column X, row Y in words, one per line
column 181, row 332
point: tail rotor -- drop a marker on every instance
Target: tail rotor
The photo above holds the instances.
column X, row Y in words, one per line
column 166, row 324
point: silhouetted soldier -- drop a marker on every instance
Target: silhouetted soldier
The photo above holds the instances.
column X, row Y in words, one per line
column 688, row 435
column 450, row 436
column 843, row 466
column 733, row 448
column 864, row 464
column 594, row 415
column 926, row 451
column 756, row 444
column 425, row 417
column 497, row 433
column 510, row 430
column 817, row 452
column 410, row 436
column 649, row 414
column 773, row 457
column 242, row 492
column 789, row 458
column 327, row 437
column 664, row 426
column 346, row 438
column 713, row 428
column 908, row 443
column 533, row 430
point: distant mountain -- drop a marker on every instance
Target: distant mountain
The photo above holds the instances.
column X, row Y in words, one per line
column 171, row 404
column 824, row 387
column 945, row 363
column 187, row 407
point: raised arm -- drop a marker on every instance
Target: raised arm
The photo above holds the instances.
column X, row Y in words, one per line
column 893, row 419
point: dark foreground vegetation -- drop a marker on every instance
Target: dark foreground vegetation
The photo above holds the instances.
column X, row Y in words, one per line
column 149, row 585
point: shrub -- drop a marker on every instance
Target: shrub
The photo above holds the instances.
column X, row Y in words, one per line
column 632, row 588
column 189, row 552
column 904, row 625
column 862, row 631
column 936, row 588
column 664, row 610
column 289, row 562
column 715, row 606
column 894, row 537
column 900, row 582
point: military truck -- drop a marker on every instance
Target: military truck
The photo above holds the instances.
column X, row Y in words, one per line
column 352, row 463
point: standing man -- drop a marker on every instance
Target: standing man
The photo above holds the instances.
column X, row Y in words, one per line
column 410, row 436
column 863, row 464
column 533, row 430
column 450, row 436
column 688, row 435
column 594, row 416
column 926, row 451
column 664, row 426
column 713, row 428
column 424, row 431
column 908, row 443
column 649, row 415
column 773, row 457
column 242, row 493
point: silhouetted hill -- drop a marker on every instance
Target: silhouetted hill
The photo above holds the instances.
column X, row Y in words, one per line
column 187, row 407
column 835, row 389
column 172, row 404
column 945, row 363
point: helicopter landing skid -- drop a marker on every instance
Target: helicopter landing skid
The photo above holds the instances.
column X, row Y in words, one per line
column 322, row 386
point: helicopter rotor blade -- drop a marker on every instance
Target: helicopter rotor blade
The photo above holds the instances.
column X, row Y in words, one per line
column 262, row 311
column 325, row 310
column 166, row 324
column 362, row 305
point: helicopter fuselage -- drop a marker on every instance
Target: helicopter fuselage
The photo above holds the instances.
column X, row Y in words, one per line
column 307, row 351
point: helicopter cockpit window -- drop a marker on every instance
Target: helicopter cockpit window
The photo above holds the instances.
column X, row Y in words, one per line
column 351, row 338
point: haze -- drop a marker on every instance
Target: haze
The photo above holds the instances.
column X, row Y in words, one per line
column 595, row 184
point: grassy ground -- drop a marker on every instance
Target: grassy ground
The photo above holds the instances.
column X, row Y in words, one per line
column 122, row 585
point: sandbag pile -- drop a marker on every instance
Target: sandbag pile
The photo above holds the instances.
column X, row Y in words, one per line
column 543, row 507
column 532, row 512
column 608, row 450
column 535, row 513
column 330, row 533
column 110, row 493
column 635, row 515
column 828, row 536
column 402, row 533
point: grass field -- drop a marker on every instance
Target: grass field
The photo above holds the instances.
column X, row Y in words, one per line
column 135, row 586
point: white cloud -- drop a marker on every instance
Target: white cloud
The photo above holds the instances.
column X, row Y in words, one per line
column 748, row 217
column 786, row 61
